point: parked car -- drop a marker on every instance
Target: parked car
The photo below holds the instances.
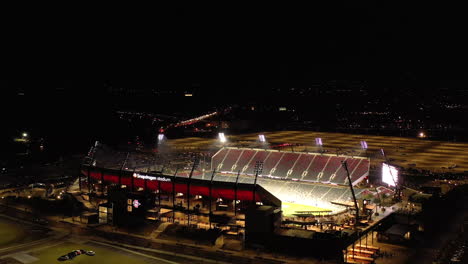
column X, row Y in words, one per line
column 74, row 253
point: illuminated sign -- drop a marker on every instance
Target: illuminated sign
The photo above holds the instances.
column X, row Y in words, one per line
column 389, row 174
column 151, row 178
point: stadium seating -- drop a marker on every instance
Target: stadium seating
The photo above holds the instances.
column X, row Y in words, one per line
column 259, row 156
column 218, row 158
column 312, row 167
column 301, row 165
column 361, row 170
column 271, row 161
column 331, row 168
column 316, row 168
column 285, row 164
column 244, row 159
column 230, row 159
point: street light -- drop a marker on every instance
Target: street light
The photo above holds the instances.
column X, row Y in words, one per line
column 25, row 134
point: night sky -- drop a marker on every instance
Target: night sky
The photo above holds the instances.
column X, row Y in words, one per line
column 63, row 62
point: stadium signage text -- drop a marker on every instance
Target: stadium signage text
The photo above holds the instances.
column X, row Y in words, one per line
column 151, row 178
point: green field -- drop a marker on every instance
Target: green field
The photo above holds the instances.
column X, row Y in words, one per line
column 103, row 255
column 290, row 208
column 10, row 233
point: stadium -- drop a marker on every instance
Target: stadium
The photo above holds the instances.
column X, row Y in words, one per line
column 265, row 194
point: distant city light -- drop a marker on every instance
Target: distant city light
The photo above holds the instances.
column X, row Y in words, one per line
column 421, row 135
column 222, row 138
column 262, row 138
column 318, row 142
column 188, row 94
column 25, row 134
column 363, row 144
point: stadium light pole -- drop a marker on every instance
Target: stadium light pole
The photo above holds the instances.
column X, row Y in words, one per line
column 195, row 164
column 222, row 137
column 262, row 140
column 258, row 170
column 319, row 144
column 211, row 193
column 174, row 195
column 235, row 194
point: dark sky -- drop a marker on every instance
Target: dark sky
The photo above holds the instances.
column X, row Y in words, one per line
column 232, row 45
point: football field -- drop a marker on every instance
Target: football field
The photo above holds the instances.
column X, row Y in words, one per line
column 289, row 209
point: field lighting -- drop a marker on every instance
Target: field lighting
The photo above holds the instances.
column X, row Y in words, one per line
column 160, row 137
column 363, row 144
column 222, row 138
column 262, row 138
column 318, row 142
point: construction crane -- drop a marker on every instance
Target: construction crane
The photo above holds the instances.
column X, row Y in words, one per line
column 345, row 166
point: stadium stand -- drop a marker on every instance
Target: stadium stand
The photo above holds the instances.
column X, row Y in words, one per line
column 259, row 156
column 244, row 159
column 312, row 167
column 285, row 165
column 270, row 162
column 315, row 169
column 230, row 159
column 290, row 176
column 301, row 165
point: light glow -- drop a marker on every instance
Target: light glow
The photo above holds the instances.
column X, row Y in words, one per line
column 262, row 138
column 151, row 178
column 389, row 174
column 160, row 137
column 222, row 138
column 25, row 134
column 318, row 142
column 363, row 144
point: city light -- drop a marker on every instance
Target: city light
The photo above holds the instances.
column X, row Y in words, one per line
column 262, row 138
column 25, row 134
column 222, row 138
column 421, row 135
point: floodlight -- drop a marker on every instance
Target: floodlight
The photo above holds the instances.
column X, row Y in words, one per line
column 222, row 138
column 318, row 142
column 262, row 138
column 160, row 137
column 363, row 144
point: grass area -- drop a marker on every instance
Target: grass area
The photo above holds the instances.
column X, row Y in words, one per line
column 103, row 255
column 290, row 208
column 10, row 232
